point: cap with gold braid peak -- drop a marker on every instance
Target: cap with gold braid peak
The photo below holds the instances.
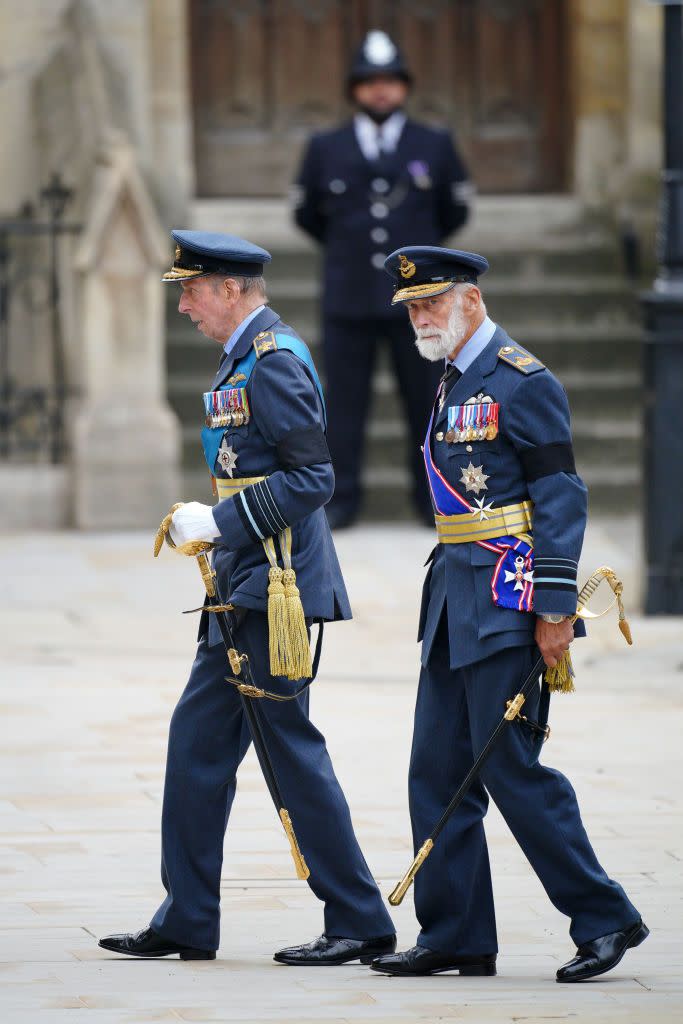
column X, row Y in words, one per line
column 420, row 271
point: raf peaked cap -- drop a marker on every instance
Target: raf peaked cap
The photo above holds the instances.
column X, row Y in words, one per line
column 423, row 270
column 198, row 253
column 377, row 55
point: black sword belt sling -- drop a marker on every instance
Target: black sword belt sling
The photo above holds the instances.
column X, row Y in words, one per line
column 239, row 664
column 558, row 678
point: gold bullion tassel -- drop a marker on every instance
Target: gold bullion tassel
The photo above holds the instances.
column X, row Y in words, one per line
column 560, row 678
column 277, row 622
column 298, row 648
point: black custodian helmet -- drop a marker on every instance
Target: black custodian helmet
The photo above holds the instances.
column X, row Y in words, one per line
column 377, row 55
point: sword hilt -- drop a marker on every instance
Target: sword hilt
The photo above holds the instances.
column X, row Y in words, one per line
column 401, row 889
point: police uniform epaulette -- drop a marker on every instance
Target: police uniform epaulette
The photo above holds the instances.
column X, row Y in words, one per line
column 264, row 342
column 520, row 359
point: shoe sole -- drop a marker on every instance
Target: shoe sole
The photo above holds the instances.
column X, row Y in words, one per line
column 465, row 971
column 184, row 954
column 639, row 937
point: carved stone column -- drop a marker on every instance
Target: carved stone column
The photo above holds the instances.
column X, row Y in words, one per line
column 125, row 439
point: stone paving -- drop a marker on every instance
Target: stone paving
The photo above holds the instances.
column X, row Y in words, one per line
column 94, row 656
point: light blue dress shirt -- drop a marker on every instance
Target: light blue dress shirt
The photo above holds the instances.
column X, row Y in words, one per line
column 236, row 334
column 475, row 346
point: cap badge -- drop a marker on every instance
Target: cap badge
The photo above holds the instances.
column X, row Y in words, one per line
column 178, row 253
column 407, row 268
column 379, row 48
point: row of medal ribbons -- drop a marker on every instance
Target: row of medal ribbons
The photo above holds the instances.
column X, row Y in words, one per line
column 472, row 422
column 228, row 408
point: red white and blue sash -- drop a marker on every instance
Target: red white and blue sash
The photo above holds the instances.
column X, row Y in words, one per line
column 509, row 571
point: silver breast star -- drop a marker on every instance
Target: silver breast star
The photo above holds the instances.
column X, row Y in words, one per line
column 482, row 509
column 227, row 457
column 474, row 478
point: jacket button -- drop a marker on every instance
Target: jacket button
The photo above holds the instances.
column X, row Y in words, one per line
column 439, row 436
column 379, row 210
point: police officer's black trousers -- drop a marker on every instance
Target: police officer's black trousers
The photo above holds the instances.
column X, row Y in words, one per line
column 350, row 349
column 208, row 739
column 456, row 712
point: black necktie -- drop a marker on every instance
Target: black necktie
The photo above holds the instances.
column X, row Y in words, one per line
column 449, row 378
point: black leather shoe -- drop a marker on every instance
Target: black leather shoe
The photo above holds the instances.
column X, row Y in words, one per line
column 420, row 960
column 327, row 950
column 148, row 943
column 600, row 955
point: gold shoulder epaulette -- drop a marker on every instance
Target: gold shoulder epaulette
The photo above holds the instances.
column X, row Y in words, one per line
column 520, row 359
column 264, row 342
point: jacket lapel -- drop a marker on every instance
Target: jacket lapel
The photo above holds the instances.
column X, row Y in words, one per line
column 472, row 379
column 266, row 319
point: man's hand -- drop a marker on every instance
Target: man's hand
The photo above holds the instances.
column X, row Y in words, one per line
column 193, row 521
column 553, row 639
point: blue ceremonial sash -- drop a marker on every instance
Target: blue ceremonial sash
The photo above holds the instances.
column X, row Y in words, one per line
column 509, row 588
column 212, row 436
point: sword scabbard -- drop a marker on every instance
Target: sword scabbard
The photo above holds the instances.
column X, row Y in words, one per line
column 302, row 871
column 401, row 889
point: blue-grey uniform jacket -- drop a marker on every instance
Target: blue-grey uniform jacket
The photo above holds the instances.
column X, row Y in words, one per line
column 531, row 458
column 361, row 210
column 284, row 440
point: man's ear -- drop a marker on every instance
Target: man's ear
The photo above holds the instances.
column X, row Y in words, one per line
column 231, row 289
column 472, row 298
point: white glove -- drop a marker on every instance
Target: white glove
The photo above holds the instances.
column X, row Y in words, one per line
column 193, row 521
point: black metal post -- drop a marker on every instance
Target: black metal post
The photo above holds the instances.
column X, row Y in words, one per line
column 56, row 196
column 5, row 385
column 663, row 354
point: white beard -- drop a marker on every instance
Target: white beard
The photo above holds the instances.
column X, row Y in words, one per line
column 435, row 343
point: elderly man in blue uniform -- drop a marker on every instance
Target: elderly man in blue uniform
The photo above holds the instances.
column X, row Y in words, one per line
column 510, row 514
column 375, row 183
column 264, row 440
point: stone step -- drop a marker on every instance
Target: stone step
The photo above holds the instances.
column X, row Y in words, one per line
column 534, row 264
column 611, row 393
column 611, row 490
column 566, row 349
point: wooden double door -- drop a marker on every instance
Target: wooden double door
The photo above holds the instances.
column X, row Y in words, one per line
column 265, row 73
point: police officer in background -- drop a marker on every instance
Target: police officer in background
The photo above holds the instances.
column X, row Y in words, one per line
column 364, row 189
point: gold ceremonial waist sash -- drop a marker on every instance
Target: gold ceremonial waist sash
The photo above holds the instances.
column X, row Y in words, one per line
column 227, row 487
column 509, row 520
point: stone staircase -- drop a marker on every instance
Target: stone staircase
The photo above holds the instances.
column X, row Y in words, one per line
column 562, row 296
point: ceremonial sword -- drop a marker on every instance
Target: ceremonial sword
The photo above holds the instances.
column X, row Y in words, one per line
column 239, row 663
column 513, row 709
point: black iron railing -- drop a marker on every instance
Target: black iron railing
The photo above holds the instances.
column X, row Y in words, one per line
column 32, row 415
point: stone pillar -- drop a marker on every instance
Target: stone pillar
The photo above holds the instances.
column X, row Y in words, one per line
column 125, row 439
column 599, row 80
column 170, row 108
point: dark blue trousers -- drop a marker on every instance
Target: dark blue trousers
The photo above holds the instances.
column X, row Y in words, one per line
column 456, row 712
column 208, row 738
column 350, row 349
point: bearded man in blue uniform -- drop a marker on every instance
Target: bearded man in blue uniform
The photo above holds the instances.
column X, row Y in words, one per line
column 376, row 182
column 265, row 446
column 510, row 514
